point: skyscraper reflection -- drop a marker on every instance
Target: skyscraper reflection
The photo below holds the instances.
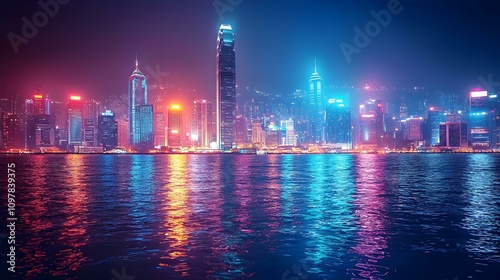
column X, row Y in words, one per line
column 73, row 234
column 176, row 209
column 330, row 215
column 481, row 211
column 371, row 219
column 36, row 208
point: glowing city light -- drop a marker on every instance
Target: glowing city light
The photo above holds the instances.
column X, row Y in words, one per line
column 176, row 107
column 38, row 96
column 481, row 93
column 75, row 97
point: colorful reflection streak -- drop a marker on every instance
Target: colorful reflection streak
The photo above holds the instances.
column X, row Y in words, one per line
column 73, row 233
column 34, row 222
column 176, row 209
column 482, row 211
column 329, row 215
column 271, row 199
column 371, row 219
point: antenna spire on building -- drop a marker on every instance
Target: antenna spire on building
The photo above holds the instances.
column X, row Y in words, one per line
column 136, row 62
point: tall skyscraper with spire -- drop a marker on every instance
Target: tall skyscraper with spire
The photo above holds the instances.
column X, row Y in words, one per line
column 226, row 88
column 140, row 112
column 316, row 105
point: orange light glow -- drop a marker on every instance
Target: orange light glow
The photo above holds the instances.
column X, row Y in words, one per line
column 74, row 97
column 38, row 96
column 176, row 107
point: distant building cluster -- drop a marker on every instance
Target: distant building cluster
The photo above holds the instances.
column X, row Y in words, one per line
column 315, row 119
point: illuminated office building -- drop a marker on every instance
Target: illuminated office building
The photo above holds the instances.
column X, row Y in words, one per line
column 371, row 124
column 479, row 122
column 288, row 137
column 159, row 129
column 10, row 134
column 75, row 121
column 435, row 116
column 107, row 131
column 338, row 124
column 39, row 102
column 226, row 88
column 316, row 105
column 240, row 129
column 453, row 135
column 138, row 97
column 175, row 131
column 144, row 128
column 202, row 124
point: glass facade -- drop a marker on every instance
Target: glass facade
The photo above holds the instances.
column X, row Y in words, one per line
column 338, row 123
column 144, row 128
column 107, row 131
column 137, row 96
column 226, row 88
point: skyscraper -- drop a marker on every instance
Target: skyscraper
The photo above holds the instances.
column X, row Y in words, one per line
column 137, row 96
column 288, row 137
column 316, row 105
column 175, row 131
column 435, row 116
column 75, row 121
column 479, row 120
column 107, row 131
column 144, row 128
column 371, row 124
column 226, row 88
column 160, row 125
column 338, row 124
column 201, row 128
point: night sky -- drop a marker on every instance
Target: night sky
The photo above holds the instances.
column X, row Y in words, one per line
column 89, row 47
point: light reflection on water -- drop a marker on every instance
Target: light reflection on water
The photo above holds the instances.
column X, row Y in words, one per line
column 237, row 216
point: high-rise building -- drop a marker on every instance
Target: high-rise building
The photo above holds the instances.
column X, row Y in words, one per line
column 412, row 129
column 202, row 123
column 39, row 101
column 92, row 110
column 316, row 106
column 479, row 122
column 144, row 128
column 123, row 134
column 107, row 131
column 240, row 129
column 453, row 135
column 435, row 116
column 137, row 97
column 495, row 120
column 258, row 134
column 226, row 88
column 371, row 124
column 316, row 91
column 288, row 137
column 338, row 124
column 175, row 131
column 40, row 131
column 48, row 105
column 75, row 121
column 9, row 131
column 160, row 127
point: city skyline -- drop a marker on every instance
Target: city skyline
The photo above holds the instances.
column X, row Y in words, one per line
column 464, row 61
